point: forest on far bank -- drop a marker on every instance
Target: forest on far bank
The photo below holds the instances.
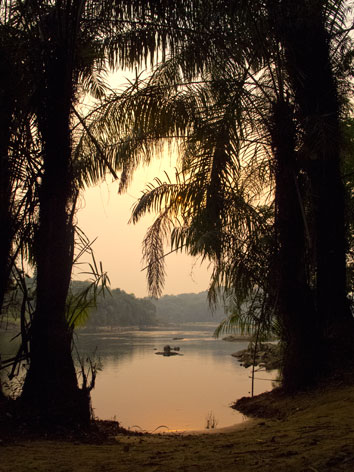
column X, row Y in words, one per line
column 117, row 308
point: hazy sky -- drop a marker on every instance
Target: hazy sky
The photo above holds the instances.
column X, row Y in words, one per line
column 104, row 214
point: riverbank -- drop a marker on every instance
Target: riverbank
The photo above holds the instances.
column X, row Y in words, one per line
column 311, row 432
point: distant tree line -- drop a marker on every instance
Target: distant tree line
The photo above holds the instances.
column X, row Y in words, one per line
column 118, row 308
column 187, row 307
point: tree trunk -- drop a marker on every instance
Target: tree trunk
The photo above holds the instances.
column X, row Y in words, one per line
column 6, row 223
column 5, row 202
column 306, row 44
column 51, row 390
column 295, row 309
column 6, row 231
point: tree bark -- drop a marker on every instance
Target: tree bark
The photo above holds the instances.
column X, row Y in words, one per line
column 295, row 309
column 6, row 224
column 51, row 390
column 6, row 233
column 309, row 67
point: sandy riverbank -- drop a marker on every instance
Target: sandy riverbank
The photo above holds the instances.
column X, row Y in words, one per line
column 310, row 432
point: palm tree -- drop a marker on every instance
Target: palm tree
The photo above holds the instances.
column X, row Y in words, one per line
column 267, row 63
column 314, row 71
column 16, row 168
column 19, row 162
column 69, row 43
column 62, row 53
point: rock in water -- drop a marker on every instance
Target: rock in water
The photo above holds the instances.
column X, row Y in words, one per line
column 168, row 351
column 268, row 355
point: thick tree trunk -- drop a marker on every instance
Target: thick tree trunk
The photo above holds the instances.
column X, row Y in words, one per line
column 6, row 223
column 295, row 309
column 309, row 68
column 6, row 226
column 6, row 232
column 51, row 390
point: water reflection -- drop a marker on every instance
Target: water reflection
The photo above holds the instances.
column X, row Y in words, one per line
column 144, row 390
column 140, row 388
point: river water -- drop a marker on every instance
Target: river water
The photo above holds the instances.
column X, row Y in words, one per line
column 145, row 391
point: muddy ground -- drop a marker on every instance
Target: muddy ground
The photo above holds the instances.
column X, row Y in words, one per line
column 312, row 432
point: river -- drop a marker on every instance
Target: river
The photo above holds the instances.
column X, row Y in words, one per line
column 145, row 391
column 149, row 392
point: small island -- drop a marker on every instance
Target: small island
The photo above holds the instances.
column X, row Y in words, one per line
column 169, row 351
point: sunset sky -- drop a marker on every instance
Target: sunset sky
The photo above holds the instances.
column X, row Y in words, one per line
column 104, row 214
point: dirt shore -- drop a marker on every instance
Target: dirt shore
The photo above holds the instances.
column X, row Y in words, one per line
column 311, row 432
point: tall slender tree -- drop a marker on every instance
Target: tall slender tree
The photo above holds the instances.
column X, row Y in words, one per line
column 18, row 156
column 68, row 43
column 15, row 131
column 310, row 65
